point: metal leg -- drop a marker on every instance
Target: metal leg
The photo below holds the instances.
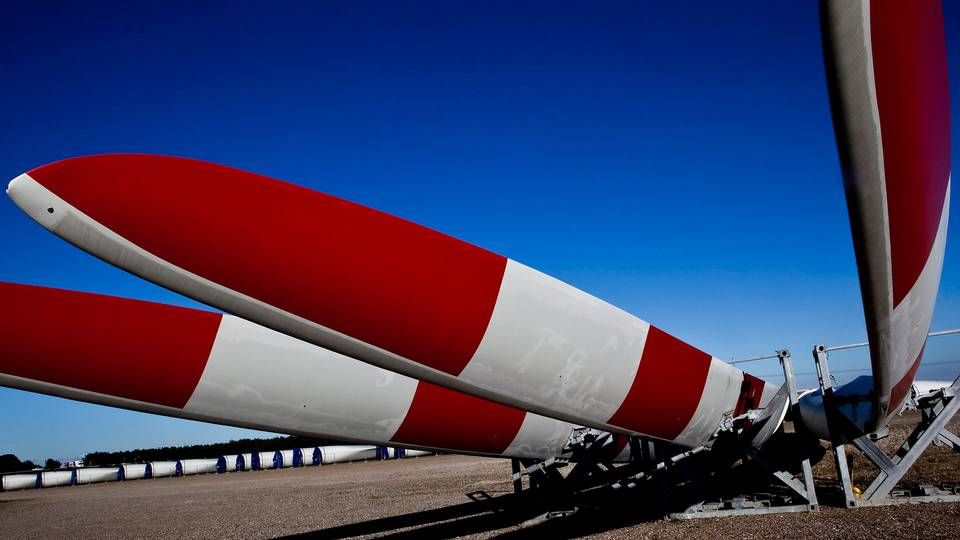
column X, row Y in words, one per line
column 936, row 416
column 756, row 504
column 517, row 479
column 786, row 363
column 836, row 436
column 947, row 438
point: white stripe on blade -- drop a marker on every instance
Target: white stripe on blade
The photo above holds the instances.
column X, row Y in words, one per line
column 557, row 347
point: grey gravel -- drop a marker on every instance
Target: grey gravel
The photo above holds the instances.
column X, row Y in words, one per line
column 332, row 499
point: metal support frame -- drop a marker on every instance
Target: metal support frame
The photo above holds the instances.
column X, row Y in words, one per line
column 786, row 364
column 834, row 425
column 592, row 471
column 586, row 451
column 517, row 480
column 539, row 473
column 758, row 504
column 936, row 411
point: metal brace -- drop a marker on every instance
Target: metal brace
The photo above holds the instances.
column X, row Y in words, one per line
column 936, row 411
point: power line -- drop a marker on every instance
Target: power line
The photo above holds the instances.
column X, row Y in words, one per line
column 864, row 370
column 864, row 344
column 842, row 347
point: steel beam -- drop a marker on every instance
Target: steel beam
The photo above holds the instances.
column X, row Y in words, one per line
column 941, row 411
column 786, row 364
column 836, row 435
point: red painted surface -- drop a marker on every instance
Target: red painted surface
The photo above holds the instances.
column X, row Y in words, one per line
column 667, row 388
column 910, row 68
column 443, row 418
column 124, row 348
column 899, row 391
column 386, row 281
column 751, row 391
column 619, row 443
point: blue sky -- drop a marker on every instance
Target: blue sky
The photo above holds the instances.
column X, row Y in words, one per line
column 676, row 159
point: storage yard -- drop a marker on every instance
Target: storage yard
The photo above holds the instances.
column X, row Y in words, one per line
column 426, row 496
column 256, row 461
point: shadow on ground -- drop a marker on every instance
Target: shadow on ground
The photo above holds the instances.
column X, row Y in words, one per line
column 554, row 513
column 527, row 514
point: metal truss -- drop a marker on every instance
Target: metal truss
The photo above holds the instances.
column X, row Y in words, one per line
column 936, row 410
column 656, row 463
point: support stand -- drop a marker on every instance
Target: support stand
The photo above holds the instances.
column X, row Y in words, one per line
column 590, row 455
column 936, row 411
column 656, row 463
column 835, row 423
column 657, row 467
column 766, row 503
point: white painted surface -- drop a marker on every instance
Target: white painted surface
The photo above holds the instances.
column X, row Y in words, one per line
column 540, row 437
column 56, row 478
column 266, row 460
column 555, row 347
column 230, row 463
column 19, row 481
column 198, row 466
column 163, row 468
column 719, row 397
column 308, row 456
column 90, row 475
column 266, row 378
column 924, row 388
column 287, row 457
column 134, row 471
column 343, row 453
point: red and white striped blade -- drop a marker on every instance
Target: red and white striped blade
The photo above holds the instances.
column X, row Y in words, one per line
column 219, row 368
column 385, row 291
column 887, row 72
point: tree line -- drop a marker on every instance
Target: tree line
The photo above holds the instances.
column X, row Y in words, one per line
column 10, row 462
column 171, row 453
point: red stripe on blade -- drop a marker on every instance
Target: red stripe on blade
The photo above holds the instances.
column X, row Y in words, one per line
column 667, row 388
column 386, row 281
column 123, row 348
column 751, row 392
column 443, row 418
column 899, row 391
column 910, row 70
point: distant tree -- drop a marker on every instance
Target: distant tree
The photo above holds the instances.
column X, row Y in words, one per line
column 94, row 459
column 10, row 463
column 52, row 464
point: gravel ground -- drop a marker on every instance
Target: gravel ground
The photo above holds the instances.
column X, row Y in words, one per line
column 425, row 497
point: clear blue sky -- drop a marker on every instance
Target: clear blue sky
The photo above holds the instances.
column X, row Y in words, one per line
column 675, row 159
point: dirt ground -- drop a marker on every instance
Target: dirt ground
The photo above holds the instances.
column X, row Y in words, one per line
column 427, row 497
